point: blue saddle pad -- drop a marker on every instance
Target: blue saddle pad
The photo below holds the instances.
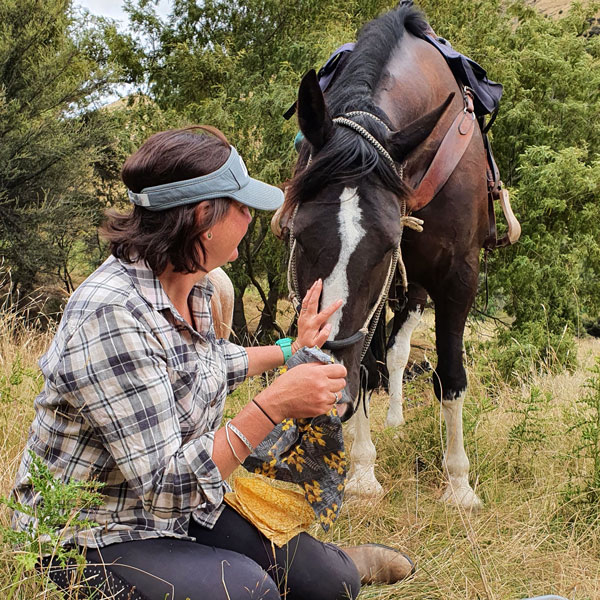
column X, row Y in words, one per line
column 487, row 93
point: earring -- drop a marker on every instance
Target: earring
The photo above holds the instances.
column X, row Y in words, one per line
column 209, row 235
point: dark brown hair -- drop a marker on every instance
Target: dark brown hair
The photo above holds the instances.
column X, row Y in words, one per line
column 172, row 235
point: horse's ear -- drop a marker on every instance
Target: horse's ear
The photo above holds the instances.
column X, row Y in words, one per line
column 313, row 116
column 414, row 134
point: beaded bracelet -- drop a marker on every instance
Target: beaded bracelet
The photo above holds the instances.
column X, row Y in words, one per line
column 241, row 436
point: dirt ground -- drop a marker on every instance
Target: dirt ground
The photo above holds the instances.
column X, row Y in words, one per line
column 552, row 7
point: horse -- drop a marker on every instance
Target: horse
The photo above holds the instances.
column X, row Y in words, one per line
column 221, row 302
column 354, row 207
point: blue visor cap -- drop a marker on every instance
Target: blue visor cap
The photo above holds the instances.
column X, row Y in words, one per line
column 231, row 180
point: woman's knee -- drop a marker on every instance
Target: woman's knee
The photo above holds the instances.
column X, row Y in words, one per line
column 321, row 571
column 244, row 579
column 181, row 570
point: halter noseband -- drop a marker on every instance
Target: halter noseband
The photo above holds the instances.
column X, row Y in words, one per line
column 366, row 332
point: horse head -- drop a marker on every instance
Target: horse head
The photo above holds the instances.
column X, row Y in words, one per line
column 347, row 198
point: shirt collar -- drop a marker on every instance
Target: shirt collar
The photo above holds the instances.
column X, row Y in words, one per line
column 149, row 287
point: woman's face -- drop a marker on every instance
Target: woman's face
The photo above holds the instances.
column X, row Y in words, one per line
column 222, row 247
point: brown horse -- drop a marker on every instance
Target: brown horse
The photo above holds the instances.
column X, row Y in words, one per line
column 368, row 143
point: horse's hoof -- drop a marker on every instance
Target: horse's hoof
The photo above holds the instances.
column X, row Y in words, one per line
column 363, row 487
column 462, row 496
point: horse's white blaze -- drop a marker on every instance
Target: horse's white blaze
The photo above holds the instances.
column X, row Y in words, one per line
column 456, row 463
column 361, row 477
column 335, row 287
column 397, row 360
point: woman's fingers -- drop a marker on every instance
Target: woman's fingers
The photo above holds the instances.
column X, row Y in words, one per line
column 323, row 335
column 311, row 300
column 327, row 312
column 337, row 385
column 310, row 389
column 334, row 371
column 308, row 295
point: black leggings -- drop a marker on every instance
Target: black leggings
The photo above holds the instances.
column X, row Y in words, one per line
column 232, row 561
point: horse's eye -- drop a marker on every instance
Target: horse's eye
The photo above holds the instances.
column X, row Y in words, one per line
column 308, row 252
column 301, row 248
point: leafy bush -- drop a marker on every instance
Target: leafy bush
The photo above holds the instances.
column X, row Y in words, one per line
column 60, row 506
column 50, row 76
column 238, row 67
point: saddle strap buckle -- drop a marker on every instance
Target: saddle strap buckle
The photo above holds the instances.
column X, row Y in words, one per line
column 468, row 98
column 469, row 109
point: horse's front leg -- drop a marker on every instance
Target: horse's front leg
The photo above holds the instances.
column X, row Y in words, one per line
column 398, row 352
column 456, row 462
column 361, row 478
column 450, row 383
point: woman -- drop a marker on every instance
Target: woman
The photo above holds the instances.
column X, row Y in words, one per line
column 135, row 385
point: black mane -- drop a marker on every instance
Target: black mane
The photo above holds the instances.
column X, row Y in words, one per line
column 347, row 156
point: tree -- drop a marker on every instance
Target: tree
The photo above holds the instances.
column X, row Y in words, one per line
column 546, row 140
column 237, row 67
column 51, row 72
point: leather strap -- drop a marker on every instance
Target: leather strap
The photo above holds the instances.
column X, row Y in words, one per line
column 493, row 186
column 447, row 157
column 491, row 241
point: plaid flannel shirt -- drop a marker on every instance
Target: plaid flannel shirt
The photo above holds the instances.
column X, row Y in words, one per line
column 132, row 398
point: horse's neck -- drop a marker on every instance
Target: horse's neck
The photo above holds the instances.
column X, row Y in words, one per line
column 415, row 81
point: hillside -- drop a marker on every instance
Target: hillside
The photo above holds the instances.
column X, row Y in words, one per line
column 555, row 8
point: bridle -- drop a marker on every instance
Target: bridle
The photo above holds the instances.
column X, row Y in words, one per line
column 367, row 331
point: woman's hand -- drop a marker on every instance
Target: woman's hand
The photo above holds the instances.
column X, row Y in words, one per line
column 313, row 329
column 305, row 391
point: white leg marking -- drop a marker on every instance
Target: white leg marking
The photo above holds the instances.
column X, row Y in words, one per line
column 397, row 358
column 335, row 287
column 361, row 478
column 350, row 431
column 456, row 463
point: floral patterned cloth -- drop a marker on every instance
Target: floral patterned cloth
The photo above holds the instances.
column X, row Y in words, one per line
column 309, row 452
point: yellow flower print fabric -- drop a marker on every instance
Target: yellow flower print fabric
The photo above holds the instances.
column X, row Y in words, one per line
column 309, row 452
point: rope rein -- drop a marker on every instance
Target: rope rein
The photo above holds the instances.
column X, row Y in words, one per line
column 292, row 276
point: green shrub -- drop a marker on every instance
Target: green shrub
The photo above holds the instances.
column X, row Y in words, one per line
column 60, row 506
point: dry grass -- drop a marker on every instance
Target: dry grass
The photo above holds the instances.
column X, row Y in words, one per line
column 519, row 545
column 20, row 381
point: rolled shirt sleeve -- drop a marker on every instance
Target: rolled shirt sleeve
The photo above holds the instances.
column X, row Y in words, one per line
column 236, row 360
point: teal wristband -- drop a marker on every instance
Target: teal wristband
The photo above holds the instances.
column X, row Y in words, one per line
column 286, row 347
